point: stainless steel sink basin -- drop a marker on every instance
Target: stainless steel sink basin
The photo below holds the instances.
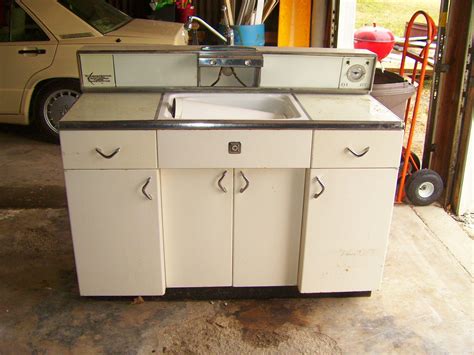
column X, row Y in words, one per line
column 230, row 106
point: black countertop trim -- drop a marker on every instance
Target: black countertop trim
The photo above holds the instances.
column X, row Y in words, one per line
column 227, row 125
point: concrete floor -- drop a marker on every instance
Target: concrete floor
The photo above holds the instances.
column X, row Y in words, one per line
column 425, row 304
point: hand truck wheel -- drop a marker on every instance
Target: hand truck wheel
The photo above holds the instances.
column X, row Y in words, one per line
column 424, row 187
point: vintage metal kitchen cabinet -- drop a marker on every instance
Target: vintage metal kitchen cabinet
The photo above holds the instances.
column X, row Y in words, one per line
column 229, row 166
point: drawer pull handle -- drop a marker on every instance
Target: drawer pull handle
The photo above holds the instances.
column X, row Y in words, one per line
column 247, row 183
column 107, row 156
column 317, row 194
column 147, row 195
column 358, row 155
column 219, row 182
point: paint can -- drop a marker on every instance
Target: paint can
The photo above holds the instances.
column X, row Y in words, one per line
column 249, row 35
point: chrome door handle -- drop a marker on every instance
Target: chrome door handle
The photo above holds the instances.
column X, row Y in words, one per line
column 219, row 182
column 107, row 156
column 247, row 183
column 317, row 194
column 358, row 155
column 32, row 51
column 147, row 195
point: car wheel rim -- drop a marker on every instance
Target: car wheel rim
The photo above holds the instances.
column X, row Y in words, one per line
column 56, row 106
column 426, row 189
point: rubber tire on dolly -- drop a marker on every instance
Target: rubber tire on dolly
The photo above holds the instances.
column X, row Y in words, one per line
column 68, row 91
column 424, row 187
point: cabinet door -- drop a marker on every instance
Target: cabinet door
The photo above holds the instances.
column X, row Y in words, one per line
column 116, row 231
column 346, row 229
column 267, row 226
column 197, row 222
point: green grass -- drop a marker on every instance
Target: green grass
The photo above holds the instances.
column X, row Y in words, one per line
column 393, row 14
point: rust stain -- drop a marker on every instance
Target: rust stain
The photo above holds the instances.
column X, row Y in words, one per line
column 262, row 323
column 262, row 338
column 270, row 314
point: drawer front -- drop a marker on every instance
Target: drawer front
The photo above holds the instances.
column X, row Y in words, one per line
column 370, row 149
column 120, row 149
column 258, row 149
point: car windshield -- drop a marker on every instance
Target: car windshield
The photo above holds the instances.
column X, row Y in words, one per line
column 97, row 13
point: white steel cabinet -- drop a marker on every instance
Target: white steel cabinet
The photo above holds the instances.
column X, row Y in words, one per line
column 267, row 226
column 197, row 222
column 346, row 227
column 140, row 230
column 116, row 231
column 240, row 234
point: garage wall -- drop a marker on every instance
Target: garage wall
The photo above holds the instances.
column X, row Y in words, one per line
column 466, row 202
column 134, row 8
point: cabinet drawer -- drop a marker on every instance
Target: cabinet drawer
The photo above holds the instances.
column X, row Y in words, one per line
column 120, row 149
column 258, row 149
column 377, row 149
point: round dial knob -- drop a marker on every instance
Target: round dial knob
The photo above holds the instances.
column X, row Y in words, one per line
column 356, row 72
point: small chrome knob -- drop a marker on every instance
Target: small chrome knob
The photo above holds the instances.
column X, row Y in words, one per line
column 248, row 62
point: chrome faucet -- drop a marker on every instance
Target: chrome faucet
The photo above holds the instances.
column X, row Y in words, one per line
column 229, row 38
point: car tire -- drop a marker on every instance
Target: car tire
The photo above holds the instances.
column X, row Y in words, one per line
column 424, row 187
column 51, row 104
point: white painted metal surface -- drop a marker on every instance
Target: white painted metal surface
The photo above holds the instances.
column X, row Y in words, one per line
column 345, row 229
column 345, row 108
column 197, row 223
column 117, row 106
column 267, row 226
column 116, row 230
column 197, row 233
column 331, row 149
column 210, row 149
column 155, row 70
column 137, row 149
column 97, row 70
column 178, row 67
column 302, row 71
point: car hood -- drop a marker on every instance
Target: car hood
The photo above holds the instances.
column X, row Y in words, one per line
column 161, row 31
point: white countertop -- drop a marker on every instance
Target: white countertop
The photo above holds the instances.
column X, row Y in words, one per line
column 114, row 107
column 345, row 108
column 144, row 106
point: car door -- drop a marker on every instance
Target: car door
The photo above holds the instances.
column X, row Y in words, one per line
column 26, row 48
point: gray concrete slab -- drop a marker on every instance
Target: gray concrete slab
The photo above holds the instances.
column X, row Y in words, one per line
column 425, row 303
column 450, row 234
column 31, row 172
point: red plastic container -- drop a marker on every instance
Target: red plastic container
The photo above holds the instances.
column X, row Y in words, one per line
column 376, row 39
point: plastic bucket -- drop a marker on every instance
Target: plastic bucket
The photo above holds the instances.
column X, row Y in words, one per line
column 249, row 35
column 393, row 91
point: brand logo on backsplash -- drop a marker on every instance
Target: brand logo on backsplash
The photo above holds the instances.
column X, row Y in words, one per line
column 98, row 78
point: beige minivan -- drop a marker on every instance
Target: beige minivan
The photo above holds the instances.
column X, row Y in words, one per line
column 38, row 43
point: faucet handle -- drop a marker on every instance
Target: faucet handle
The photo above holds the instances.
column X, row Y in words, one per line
column 229, row 34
